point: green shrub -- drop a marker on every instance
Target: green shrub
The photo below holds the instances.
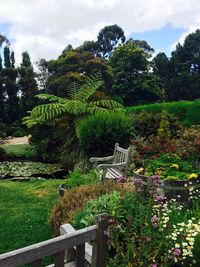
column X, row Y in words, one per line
column 15, row 129
column 99, row 133
column 78, row 177
column 48, row 141
column 147, row 123
column 2, row 154
column 75, row 199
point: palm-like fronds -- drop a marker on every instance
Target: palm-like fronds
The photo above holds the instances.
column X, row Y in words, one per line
column 90, row 86
column 77, row 106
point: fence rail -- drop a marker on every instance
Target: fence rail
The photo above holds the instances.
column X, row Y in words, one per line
column 59, row 245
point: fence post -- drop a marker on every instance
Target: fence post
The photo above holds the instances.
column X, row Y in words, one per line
column 99, row 248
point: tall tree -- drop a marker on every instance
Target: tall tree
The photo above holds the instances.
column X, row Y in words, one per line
column 2, row 94
column 27, row 83
column 9, row 74
column 73, row 66
column 108, row 38
column 132, row 79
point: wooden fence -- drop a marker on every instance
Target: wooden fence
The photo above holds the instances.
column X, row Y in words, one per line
column 63, row 248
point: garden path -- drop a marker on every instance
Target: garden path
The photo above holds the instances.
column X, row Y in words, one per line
column 17, row 140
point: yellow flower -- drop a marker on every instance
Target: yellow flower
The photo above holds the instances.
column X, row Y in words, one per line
column 192, row 176
column 139, row 170
column 176, row 166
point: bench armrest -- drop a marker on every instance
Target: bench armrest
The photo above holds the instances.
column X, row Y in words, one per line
column 114, row 165
column 101, row 159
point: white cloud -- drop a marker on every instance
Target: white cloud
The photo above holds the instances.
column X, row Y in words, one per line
column 45, row 27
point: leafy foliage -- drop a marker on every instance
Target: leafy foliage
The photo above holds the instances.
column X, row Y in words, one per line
column 99, row 133
column 75, row 199
column 78, row 105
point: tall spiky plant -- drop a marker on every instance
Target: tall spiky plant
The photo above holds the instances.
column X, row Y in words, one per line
column 71, row 111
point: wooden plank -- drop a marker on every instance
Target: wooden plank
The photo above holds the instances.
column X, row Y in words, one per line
column 37, row 263
column 122, row 150
column 68, row 229
column 99, row 248
column 80, row 255
column 59, row 259
column 46, row 248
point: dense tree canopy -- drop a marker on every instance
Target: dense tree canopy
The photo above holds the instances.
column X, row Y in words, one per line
column 132, row 79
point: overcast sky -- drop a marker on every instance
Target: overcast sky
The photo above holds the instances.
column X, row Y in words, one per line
column 45, row 27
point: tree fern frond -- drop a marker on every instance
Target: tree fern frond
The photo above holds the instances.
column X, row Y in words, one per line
column 72, row 89
column 75, row 107
column 51, row 98
column 94, row 110
column 109, row 104
column 89, row 88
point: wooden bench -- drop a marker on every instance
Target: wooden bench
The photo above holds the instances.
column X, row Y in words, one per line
column 118, row 164
column 71, row 249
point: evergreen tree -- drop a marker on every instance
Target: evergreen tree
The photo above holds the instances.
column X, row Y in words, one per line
column 27, row 84
column 2, row 94
column 9, row 75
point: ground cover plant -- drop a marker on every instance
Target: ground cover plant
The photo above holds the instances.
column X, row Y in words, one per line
column 24, row 211
column 27, row 169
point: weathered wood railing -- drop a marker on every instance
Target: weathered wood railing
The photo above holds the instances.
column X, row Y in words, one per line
column 59, row 245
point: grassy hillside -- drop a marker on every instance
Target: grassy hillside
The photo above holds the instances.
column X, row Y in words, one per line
column 188, row 112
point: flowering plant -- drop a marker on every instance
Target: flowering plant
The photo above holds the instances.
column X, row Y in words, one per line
column 147, row 230
column 169, row 166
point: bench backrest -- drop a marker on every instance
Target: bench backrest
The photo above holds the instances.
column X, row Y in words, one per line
column 121, row 155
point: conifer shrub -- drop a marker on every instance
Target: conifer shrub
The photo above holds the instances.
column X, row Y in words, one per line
column 99, row 133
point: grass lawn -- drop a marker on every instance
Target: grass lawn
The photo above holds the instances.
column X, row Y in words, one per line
column 24, row 151
column 24, row 210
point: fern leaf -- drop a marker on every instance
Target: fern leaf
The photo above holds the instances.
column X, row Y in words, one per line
column 51, row 98
column 109, row 104
column 89, row 88
column 72, row 89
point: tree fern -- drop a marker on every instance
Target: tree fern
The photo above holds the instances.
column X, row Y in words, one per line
column 79, row 106
column 89, row 88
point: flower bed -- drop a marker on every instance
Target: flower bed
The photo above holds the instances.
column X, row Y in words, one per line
column 178, row 178
column 148, row 231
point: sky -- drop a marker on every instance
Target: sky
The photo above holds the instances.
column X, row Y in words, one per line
column 45, row 27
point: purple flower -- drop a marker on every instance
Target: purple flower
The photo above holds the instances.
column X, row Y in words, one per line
column 155, row 179
column 176, row 252
column 154, row 221
column 154, row 264
column 139, row 185
column 106, row 232
column 121, row 179
column 159, row 198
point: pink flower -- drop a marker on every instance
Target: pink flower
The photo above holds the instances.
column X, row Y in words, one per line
column 154, row 264
column 154, row 221
column 176, row 252
column 121, row 179
column 159, row 198
column 106, row 232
